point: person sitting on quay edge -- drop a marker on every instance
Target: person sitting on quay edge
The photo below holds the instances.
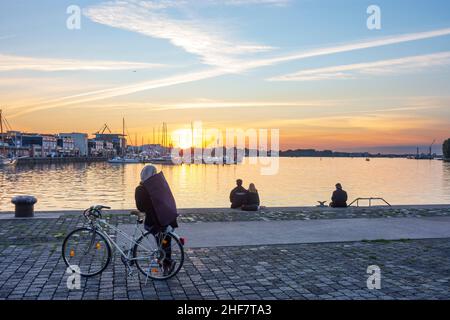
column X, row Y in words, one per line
column 238, row 195
column 339, row 198
column 251, row 202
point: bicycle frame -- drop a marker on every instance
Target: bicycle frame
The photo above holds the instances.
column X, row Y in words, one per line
column 100, row 224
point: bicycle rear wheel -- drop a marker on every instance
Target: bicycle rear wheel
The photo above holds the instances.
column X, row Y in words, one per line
column 87, row 250
column 159, row 257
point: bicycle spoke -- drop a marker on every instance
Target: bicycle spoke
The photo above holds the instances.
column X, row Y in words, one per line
column 166, row 258
column 87, row 250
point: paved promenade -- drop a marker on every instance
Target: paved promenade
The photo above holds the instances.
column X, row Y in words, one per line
column 410, row 245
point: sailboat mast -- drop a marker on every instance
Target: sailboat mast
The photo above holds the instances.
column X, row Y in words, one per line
column 1, row 130
column 123, row 136
column 192, row 135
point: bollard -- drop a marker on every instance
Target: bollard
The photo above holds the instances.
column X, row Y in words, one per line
column 24, row 206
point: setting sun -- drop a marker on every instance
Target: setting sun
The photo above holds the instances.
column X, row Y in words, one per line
column 182, row 138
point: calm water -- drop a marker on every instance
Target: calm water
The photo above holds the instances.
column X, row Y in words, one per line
column 300, row 181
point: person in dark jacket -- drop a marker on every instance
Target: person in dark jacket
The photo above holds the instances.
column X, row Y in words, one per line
column 339, row 198
column 144, row 204
column 251, row 202
column 238, row 195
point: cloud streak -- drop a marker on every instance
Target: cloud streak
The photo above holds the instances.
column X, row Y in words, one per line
column 216, row 72
column 383, row 67
column 242, row 104
column 117, row 91
column 349, row 47
column 15, row 63
column 193, row 36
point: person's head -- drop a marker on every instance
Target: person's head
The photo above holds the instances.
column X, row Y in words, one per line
column 239, row 182
column 252, row 188
column 147, row 172
column 338, row 186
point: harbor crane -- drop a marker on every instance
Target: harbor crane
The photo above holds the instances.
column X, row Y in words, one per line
column 103, row 129
column 431, row 147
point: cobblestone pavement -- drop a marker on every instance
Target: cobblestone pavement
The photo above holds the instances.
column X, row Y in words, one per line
column 310, row 213
column 24, row 231
column 31, row 267
column 286, row 213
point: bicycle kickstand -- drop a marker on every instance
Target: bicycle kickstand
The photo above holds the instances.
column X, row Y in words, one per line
column 130, row 272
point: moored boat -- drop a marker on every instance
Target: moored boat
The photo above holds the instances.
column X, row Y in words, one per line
column 120, row 160
column 162, row 160
column 8, row 161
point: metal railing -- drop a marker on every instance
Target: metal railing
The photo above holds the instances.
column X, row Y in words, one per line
column 370, row 201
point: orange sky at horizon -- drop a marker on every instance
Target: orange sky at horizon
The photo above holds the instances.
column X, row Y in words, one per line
column 322, row 133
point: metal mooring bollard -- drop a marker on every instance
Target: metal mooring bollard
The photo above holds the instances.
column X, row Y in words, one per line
column 24, row 206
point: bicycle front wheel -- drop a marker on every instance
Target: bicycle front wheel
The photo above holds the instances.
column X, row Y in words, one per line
column 86, row 251
column 158, row 257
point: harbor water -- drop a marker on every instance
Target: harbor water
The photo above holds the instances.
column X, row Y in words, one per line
column 298, row 182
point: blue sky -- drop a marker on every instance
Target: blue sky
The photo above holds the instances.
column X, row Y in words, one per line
column 311, row 68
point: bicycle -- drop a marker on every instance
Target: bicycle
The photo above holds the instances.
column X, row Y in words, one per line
column 88, row 250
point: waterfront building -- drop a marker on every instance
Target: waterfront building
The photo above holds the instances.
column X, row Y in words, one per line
column 99, row 148
column 95, row 147
column 65, row 146
column 49, row 145
column 108, row 149
column 80, row 141
column 118, row 141
column 10, row 145
column 39, row 145
column 32, row 141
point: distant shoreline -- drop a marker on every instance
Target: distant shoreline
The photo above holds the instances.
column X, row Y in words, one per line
column 300, row 153
column 50, row 160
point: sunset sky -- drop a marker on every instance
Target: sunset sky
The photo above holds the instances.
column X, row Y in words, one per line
column 309, row 68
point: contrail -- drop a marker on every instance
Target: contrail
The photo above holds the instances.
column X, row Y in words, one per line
column 212, row 73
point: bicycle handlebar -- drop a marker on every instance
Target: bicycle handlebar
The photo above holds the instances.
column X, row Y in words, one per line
column 94, row 211
column 102, row 207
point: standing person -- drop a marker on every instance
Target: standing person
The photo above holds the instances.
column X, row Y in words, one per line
column 238, row 195
column 144, row 203
column 339, row 198
column 251, row 202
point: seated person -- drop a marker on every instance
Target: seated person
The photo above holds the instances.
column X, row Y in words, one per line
column 251, row 202
column 238, row 195
column 339, row 198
